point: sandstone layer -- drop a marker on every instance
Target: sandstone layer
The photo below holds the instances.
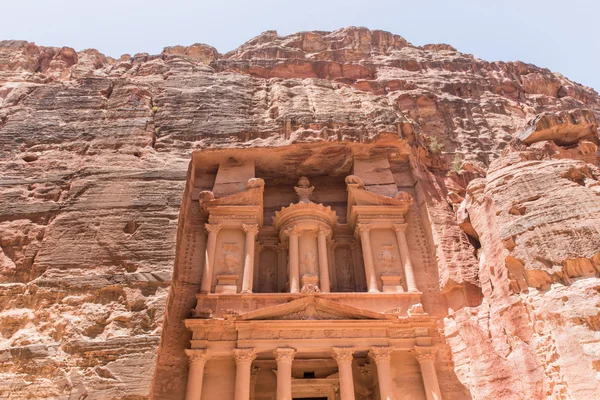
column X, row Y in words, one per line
column 94, row 153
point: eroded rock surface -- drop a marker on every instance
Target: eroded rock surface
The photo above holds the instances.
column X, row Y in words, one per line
column 94, row 153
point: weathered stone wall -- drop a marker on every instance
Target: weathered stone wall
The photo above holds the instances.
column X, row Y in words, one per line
column 94, row 153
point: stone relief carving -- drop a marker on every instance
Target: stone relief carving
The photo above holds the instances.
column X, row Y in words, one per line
column 386, row 258
column 310, row 288
column 231, row 258
column 309, row 262
column 353, row 180
column 201, row 313
column 255, row 183
column 416, row 309
column 268, row 281
column 343, row 264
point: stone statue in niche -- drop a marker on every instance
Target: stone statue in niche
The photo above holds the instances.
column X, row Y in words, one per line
column 231, row 259
column 343, row 261
column 309, row 263
column 386, row 258
column 267, row 280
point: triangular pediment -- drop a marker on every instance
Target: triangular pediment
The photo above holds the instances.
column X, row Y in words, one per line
column 312, row 308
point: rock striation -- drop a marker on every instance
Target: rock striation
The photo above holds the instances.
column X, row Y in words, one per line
column 94, row 154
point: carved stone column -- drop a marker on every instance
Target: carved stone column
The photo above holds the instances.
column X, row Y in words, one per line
column 409, row 273
column 323, row 262
column 197, row 360
column 331, row 246
column 209, row 262
column 251, row 231
column 284, row 357
column 282, row 270
column 344, row 356
column 292, row 232
column 383, row 357
column 365, row 240
column 426, row 358
column 243, row 362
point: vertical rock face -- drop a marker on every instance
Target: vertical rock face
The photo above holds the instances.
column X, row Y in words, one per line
column 94, row 153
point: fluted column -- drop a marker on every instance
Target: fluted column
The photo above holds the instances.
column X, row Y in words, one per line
column 323, row 262
column 409, row 273
column 426, row 358
column 251, row 231
column 284, row 357
column 243, row 362
column 365, row 240
column 383, row 357
column 344, row 356
column 197, row 359
column 292, row 232
column 211, row 244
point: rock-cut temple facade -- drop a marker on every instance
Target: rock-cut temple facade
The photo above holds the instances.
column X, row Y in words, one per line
column 314, row 277
column 322, row 215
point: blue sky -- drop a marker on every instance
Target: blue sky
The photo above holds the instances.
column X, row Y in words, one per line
column 560, row 35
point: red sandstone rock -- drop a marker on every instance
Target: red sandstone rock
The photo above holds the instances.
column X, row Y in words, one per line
column 94, row 154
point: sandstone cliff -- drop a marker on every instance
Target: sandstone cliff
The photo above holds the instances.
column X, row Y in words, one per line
column 94, row 153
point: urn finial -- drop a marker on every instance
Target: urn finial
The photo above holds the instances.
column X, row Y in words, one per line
column 304, row 190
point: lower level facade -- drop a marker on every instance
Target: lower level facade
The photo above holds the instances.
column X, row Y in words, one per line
column 311, row 346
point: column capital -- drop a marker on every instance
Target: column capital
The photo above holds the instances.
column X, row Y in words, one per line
column 398, row 227
column 342, row 354
column 244, row 355
column 284, row 354
column 324, row 231
column 250, row 228
column 197, row 356
column 423, row 353
column 292, row 230
column 212, row 228
column 363, row 227
column 379, row 353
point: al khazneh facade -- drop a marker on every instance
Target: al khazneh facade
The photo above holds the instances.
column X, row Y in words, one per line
column 312, row 278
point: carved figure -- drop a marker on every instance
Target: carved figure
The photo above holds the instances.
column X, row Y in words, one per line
column 310, row 288
column 230, row 259
column 416, row 309
column 267, row 279
column 386, row 258
column 353, row 180
column 255, row 183
column 201, row 313
column 309, row 263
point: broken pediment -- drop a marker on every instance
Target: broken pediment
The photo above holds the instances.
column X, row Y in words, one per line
column 364, row 204
column 236, row 207
column 312, row 308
